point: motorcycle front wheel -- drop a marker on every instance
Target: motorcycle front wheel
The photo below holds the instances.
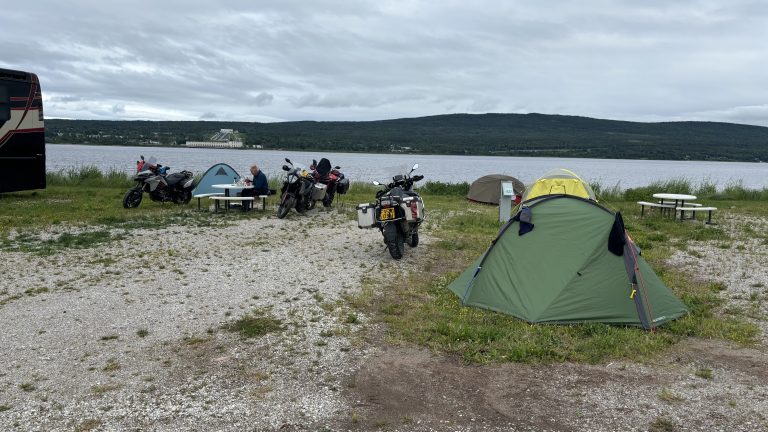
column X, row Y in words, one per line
column 285, row 206
column 132, row 198
column 394, row 240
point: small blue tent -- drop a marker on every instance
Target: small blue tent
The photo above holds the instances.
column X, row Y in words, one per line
column 220, row 173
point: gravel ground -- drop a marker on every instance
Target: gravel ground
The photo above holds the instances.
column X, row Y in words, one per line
column 739, row 263
column 130, row 334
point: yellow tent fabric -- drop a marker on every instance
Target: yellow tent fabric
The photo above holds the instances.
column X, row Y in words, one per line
column 559, row 181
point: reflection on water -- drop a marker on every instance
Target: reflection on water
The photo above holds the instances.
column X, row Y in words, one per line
column 449, row 169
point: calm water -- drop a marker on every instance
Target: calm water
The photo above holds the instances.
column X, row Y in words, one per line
column 450, row 169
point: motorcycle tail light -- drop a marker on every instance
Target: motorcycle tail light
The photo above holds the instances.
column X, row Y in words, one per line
column 386, row 202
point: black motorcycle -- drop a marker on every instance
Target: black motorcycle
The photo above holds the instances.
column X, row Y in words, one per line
column 397, row 212
column 154, row 179
column 297, row 189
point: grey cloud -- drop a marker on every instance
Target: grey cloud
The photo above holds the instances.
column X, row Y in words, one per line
column 208, row 116
column 262, row 99
column 694, row 59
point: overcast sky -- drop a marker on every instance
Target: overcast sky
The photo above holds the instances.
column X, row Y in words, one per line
column 277, row 60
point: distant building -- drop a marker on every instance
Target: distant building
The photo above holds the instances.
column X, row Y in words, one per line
column 225, row 138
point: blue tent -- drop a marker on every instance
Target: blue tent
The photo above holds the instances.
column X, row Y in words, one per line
column 220, row 173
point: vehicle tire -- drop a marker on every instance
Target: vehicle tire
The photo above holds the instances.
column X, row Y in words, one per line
column 132, row 198
column 183, row 197
column 413, row 239
column 285, row 206
column 394, row 240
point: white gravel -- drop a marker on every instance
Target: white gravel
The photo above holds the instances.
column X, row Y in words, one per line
column 73, row 357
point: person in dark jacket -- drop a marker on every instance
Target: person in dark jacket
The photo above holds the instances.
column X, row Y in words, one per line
column 259, row 182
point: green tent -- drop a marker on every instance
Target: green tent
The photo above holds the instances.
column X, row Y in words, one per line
column 566, row 259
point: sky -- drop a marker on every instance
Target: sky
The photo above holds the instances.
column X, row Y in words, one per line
column 285, row 60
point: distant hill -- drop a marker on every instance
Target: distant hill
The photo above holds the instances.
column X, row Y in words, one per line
column 470, row 134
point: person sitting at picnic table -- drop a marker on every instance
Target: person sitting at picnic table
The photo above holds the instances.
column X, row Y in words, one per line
column 260, row 185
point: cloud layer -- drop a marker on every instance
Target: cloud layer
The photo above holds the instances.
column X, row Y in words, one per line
column 348, row 60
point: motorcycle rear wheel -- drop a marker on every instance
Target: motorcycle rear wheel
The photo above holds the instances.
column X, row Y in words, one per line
column 394, row 240
column 183, row 197
column 285, row 206
column 132, row 198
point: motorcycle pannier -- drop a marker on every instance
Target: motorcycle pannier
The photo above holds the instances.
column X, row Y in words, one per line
column 318, row 192
column 413, row 208
column 365, row 215
column 343, row 186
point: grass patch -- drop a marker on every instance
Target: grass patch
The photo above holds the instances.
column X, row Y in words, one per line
column 422, row 310
column 662, row 424
column 704, row 373
column 256, row 324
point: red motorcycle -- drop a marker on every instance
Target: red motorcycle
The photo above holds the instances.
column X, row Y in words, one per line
column 328, row 182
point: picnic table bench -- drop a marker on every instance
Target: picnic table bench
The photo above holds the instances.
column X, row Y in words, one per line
column 660, row 206
column 693, row 211
column 245, row 201
column 205, row 195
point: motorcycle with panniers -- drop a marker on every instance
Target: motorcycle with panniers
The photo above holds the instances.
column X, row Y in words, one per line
column 297, row 190
column 397, row 213
column 153, row 178
column 328, row 181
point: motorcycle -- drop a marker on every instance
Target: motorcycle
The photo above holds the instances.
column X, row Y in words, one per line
column 296, row 191
column 332, row 179
column 154, row 179
column 397, row 213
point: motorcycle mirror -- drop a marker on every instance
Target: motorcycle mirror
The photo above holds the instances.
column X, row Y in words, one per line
column 415, row 166
column 285, row 168
column 289, row 161
column 314, row 162
column 337, row 167
column 142, row 157
column 376, row 183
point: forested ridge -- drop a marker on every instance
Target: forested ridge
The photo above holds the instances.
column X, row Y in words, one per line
column 470, row 134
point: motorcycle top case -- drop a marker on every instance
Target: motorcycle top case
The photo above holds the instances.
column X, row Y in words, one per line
column 366, row 215
column 413, row 208
column 318, row 192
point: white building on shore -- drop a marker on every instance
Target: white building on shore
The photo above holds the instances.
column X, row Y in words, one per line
column 225, row 138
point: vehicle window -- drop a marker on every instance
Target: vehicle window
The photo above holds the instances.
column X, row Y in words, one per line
column 5, row 105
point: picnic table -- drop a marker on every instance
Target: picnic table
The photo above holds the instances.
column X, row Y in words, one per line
column 230, row 195
column 668, row 202
column 679, row 199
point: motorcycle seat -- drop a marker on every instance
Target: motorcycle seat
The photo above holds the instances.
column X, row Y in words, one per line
column 174, row 178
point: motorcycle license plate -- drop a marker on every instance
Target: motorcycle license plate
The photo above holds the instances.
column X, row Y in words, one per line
column 387, row 213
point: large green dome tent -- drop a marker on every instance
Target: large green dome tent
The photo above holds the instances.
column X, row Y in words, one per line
column 567, row 259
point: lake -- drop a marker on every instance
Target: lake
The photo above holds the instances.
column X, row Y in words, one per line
column 449, row 169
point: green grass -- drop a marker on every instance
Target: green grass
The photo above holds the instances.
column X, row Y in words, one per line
column 422, row 310
column 258, row 323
